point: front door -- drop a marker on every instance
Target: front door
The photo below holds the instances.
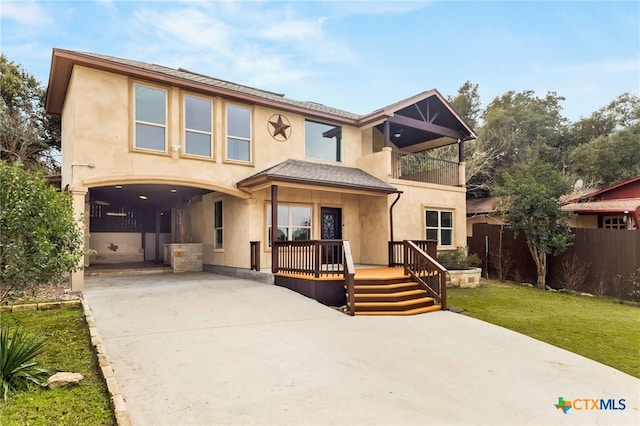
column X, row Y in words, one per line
column 331, row 229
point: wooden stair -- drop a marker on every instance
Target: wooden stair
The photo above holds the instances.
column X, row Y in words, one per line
column 388, row 291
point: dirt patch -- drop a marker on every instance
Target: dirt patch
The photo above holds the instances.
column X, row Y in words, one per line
column 42, row 293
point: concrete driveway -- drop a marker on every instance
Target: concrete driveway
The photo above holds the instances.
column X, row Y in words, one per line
column 202, row 349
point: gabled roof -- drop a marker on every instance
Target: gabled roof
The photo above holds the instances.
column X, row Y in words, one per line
column 477, row 206
column 633, row 182
column 62, row 63
column 318, row 174
column 424, row 119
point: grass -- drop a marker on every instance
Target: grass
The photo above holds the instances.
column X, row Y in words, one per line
column 597, row 328
column 67, row 349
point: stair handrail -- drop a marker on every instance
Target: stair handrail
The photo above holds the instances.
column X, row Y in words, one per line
column 349, row 270
column 423, row 269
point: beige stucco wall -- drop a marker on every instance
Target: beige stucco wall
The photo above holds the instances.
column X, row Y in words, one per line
column 584, row 221
column 409, row 212
column 97, row 129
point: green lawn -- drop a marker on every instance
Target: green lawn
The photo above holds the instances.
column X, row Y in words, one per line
column 597, row 328
column 68, row 349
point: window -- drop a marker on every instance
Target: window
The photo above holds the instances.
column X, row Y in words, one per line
column 294, row 223
column 322, row 141
column 238, row 133
column 614, row 222
column 197, row 126
column 439, row 226
column 217, row 225
column 150, row 118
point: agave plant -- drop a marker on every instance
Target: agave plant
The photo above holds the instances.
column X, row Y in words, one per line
column 17, row 367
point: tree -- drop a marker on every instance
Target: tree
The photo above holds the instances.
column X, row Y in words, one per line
column 27, row 133
column 517, row 126
column 609, row 159
column 40, row 240
column 467, row 103
column 533, row 190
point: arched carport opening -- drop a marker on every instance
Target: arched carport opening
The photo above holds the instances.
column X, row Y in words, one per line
column 130, row 222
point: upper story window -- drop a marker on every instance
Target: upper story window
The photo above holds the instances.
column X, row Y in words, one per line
column 197, row 126
column 238, row 133
column 322, row 141
column 439, row 226
column 150, row 118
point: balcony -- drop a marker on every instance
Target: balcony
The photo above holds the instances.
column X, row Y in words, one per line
column 423, row 168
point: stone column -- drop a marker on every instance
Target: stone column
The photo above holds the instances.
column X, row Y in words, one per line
column 79, row 195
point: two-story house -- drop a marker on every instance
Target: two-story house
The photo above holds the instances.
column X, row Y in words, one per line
column 163, row 162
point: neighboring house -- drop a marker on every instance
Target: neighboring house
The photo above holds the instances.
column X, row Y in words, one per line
column 163, row 161
column 482, row 210
column 613, row 207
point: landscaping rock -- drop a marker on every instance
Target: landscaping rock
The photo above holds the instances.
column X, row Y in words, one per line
column 64, row 379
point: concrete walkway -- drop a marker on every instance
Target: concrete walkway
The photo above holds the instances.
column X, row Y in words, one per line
column 202, row 349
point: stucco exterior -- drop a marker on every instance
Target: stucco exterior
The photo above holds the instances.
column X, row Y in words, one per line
column 99, row 152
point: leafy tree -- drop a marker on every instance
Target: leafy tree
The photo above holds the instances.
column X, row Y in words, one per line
column 609, row 159
column 532, row 192
column 40, row 240
column 27, row 133
column 467, row 103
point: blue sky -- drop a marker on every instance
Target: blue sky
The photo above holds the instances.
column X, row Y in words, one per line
column 358, row 56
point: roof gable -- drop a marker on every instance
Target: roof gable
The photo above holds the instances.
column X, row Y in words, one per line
column 318, row 174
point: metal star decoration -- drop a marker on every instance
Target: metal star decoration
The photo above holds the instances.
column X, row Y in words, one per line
column 280, row 127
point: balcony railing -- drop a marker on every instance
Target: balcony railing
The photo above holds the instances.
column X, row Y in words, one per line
column 422, row 168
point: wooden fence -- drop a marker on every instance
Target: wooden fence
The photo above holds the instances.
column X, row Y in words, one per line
column 600, row 261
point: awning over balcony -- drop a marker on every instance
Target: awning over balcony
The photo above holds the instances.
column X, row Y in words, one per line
column 422, row 122
column 304, row 173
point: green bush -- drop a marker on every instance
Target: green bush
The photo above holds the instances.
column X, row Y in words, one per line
column 458, row 259
column 17, row 367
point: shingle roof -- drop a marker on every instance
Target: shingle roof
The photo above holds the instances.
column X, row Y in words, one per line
column 620, row 205
column 214, row 82
column 305, row 172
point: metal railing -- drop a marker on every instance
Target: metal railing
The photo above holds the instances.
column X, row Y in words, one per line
column 422, row 168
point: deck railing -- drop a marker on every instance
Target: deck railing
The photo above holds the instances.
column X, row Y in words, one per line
column 396, row 250
column 349, row 279
column 309, row 257
column 422, row 168
column 426, row 271
column 255, row 255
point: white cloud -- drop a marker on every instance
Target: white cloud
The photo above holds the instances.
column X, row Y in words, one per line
column 25, row 12
column 261, row 44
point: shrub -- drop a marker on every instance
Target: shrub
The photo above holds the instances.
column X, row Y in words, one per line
column 458, row 259
column 17, row 366
column 40, row 240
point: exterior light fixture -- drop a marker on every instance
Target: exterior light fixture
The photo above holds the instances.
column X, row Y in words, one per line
column 174, row 190
column 143, row 197
column 118, row 186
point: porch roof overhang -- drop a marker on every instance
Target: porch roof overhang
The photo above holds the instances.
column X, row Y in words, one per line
column 608, row 206
column 305, row 174
column 422, row 122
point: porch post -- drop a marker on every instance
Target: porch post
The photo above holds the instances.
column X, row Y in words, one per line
column 460, row 150
column 274, row 228
column 387, row 137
